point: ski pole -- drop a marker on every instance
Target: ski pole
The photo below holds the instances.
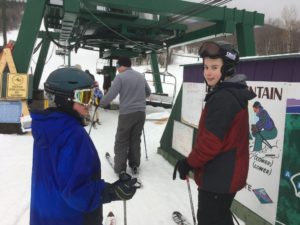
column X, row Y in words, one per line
column 265, row 140
column 125, row 212
column 93, row 119
column 145, row 144
column 237, row 222
column 191, row 200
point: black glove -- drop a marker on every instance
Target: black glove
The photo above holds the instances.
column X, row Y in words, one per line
column 122, row 189
column 254, row 128
column 183, row 168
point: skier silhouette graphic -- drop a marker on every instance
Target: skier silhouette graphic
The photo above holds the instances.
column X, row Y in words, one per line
column 264, row 129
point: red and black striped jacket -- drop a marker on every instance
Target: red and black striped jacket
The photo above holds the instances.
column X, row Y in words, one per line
column 220, row 156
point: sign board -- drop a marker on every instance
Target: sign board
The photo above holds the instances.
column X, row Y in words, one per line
column 10, row 111
column 288, row 209
column 193, row 95
column 266, row 149
column 182, row 140
column 17, row 86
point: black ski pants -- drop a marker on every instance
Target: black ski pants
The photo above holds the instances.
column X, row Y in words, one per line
column 214, row 209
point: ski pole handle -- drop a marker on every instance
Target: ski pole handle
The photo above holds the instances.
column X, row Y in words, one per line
column 191, row 200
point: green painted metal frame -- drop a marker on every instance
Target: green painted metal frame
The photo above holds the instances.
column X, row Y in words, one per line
column 155, row 72
column 41, row 63
column 217, row 29
column 28, row 32
column 245, row 38
column 166, row 28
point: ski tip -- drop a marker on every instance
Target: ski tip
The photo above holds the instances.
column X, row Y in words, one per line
column 176, row 215
column 107, row 155
column 110, row 214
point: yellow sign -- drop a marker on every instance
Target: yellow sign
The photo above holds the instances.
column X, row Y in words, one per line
column 17, row 86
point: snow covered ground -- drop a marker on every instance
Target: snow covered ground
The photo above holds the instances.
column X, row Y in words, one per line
column 152, row 205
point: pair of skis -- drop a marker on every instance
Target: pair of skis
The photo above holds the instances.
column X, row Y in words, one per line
column 178, row 218
column 110, row 219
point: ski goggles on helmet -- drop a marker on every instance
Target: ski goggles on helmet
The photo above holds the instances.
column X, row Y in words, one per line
column 210, row 49
column 213, row 49
column 83, row 96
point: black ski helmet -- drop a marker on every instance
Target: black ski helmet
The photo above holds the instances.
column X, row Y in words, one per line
column 63, row 82
column 224, row 50
column 257, row 105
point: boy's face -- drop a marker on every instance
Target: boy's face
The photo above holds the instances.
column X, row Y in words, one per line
column 82, row 110
column 212, row 70
column 256, row 109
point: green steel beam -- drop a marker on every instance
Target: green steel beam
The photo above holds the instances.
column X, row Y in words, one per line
column 153, row 6
column 43, row 34
column 219, row 28
column 116, row 53
column 110, row 20
column 245, row 39
column 239, row 16
column 155, row 72
column 180, row 8
column 69, row 21
column 71, row 6
column 28, row 32
column 40, row 63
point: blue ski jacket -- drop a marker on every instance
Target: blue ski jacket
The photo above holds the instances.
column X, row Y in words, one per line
column 66, row 172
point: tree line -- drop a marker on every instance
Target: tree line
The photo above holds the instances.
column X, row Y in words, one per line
column 14, row 14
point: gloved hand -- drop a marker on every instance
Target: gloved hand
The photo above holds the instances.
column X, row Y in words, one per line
column 122, row 189
column 183, row 168
column 97, row 96
column 254, row 128
column 98, row 93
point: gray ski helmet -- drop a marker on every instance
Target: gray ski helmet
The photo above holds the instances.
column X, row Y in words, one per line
column 64, row 81
column 224, row 50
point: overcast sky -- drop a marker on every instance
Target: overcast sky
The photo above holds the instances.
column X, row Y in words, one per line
column 271, row 8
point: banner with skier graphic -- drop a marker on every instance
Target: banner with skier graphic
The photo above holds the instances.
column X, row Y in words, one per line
column 288, row 209
column 267, row 122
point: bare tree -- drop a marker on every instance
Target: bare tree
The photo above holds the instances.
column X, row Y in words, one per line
column 4, row 24
column 289, row 17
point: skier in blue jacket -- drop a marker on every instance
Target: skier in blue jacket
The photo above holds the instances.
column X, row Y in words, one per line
column 67, row 188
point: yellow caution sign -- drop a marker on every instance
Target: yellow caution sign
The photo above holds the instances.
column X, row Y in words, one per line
column 17, row 86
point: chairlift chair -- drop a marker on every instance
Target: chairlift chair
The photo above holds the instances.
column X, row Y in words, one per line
column 165, row 100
